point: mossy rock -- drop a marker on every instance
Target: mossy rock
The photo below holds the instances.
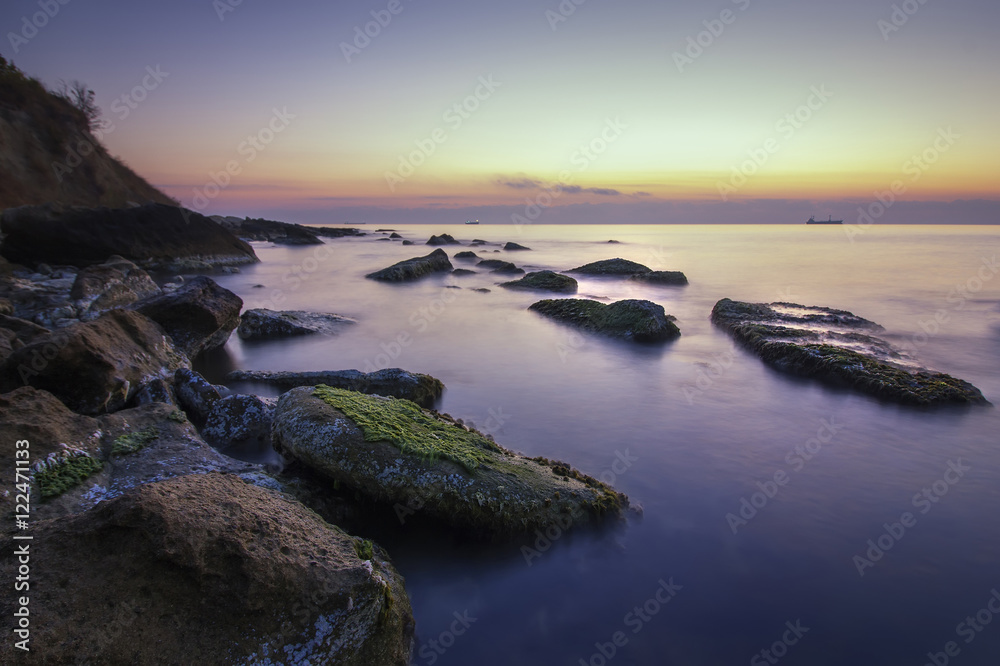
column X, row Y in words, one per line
column 393, row 452
column 62, row 471
column 544, row 281
column 661, row 277
column 835, row 351
column 135, row 441
column 638, row 320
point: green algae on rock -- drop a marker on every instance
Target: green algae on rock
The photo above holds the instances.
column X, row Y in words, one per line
column 134, row 441
column 407, row 426
column 632, row 319
column 59, row 472
column 837, row 347
column 455, row 474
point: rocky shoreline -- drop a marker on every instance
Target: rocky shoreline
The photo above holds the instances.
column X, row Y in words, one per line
column 160, row 543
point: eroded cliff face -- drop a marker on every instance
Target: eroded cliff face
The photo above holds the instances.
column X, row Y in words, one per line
column 49, row 155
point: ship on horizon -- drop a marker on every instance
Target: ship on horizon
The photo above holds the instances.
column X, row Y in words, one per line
column 813, row 220
column 473, row 222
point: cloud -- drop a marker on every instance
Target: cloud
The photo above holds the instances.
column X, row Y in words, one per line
column 532, row 184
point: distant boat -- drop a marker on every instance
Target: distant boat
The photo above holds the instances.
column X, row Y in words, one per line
column 813, row 220
column 473, row 222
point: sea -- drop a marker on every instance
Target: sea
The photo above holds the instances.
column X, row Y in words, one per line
column 774, row 519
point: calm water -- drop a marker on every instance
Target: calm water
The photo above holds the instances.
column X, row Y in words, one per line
column 702, row 424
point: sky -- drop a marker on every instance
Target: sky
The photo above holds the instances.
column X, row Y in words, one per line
column 394, row 111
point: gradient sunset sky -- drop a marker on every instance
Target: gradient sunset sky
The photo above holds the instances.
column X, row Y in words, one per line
column 627, row 111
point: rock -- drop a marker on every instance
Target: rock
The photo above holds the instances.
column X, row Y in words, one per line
column 641, row 321
column 22, row 331
column 209, row 565
column 408, row 242
column 611, row 267
column 257, row 229
column 443, row 239
column 466, row 254
column 515, row 246
column 414, row 268
column 49, row 426
column 614, row 241
column 337, row 232
column 198, row 316
column 387, row 240
column 6, row 307
column 837, row 347
column 394, row 235
column 499, row 266
column 391, row 451
column 115, row 283
column 196, row 395
column 462, row 272
column 544, row 281
column 661, row 277
column 394, row 382
column 94, row 367
column 230, row 270
column 156, row 390
column 152, row 236
column 477, row 241
column 262, row 323
column 483, row 290
column 242, row 421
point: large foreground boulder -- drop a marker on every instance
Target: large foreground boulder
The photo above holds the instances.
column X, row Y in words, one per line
column 414, row 268
column 95, row 367
column 616, row 266
column 393, row 382
column 837, row 347
column 641, row 321
column 393, row 452
column 261, row 323
column 544, row 281
column 152, row 236
column 199, row 316
column 208, row 565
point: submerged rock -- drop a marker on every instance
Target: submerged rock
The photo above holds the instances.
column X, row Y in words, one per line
column 462, row 272
column 661, row 277
column 638, row 320
column 209, row 565
column 414, row 268
column 394, row 382
column 515, row 246
column 544, row 281
column 500, row 266
column 443, row 239
column 95, row 367
column 466, row 254
column 198, row 316
column 393, row 452
column 837, row 347
column 263, row 323
column 611, row 267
